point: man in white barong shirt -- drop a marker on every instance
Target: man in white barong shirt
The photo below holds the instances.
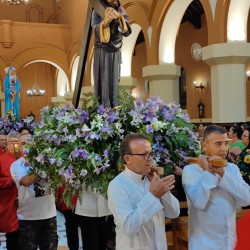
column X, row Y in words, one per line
column 213, row 194
column 139, row 200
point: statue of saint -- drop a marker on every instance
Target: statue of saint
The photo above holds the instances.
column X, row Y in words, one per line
column 12, row 89
column 109, row 33
column 201, row 108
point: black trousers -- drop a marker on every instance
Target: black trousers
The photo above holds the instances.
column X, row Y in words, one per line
column 12, row 240
column 94, row 232
column 42, row 233
column 71, row 225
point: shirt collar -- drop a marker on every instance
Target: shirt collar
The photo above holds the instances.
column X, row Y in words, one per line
column 133, row 175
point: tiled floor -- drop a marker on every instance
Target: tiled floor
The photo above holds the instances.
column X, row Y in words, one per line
column 60, row 230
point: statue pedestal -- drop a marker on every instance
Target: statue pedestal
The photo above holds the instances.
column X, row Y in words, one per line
column 2, row 103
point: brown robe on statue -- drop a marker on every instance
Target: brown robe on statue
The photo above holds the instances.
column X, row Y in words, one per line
column 107, row 57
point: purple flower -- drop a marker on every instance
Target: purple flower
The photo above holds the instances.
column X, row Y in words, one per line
column 185, row 117
column 52, row 161
column 158, row 137
column 83, row 172
column 68, row 173
column 80, row 153
column 67, row 107
column 149, row 129
column 100, row 110
column 84, row 154
column 106, row 129
column 98, row 158
column 111, row 117
column 138, row 104
column 106, row 153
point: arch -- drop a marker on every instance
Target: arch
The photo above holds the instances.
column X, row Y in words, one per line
column 169, row 30
column 62, row 84
column 237, row 21
column 128, row 49
column 74, row 68
column 166, row 21
column 38, row 8
column 42, row 53
column 138, row 16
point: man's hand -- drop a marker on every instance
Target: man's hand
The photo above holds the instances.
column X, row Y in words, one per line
column 109, row 15
column 159, row 187
column 204, row 162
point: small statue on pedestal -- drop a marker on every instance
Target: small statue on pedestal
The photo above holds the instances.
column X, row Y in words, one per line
column 12, row 89
column 201, row 108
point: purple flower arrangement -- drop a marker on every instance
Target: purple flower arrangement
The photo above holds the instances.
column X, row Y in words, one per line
column 80, row 146
column 7, row 126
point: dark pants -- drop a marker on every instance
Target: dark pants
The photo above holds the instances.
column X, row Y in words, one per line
column 42, row 233
column 71, row 225
column 12, row 240
column 93, row 231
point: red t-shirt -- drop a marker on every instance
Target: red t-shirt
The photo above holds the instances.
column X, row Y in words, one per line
column 8, row 196
column 243, row 225
column 60, row 203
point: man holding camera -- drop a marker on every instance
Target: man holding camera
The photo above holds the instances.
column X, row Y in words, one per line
column 36, row 209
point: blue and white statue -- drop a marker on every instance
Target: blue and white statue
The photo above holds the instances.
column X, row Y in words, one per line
column 12, row 89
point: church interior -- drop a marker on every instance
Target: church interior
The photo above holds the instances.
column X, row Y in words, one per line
column 195, row 53
column 208, row 40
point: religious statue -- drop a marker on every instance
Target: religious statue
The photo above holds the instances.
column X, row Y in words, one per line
column 109, row 33
column 201, row 108
column 12, row 89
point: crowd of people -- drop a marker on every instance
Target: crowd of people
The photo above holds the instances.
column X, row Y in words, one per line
column 138, row 199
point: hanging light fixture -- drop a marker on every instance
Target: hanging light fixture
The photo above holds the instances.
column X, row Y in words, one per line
column 15, row 2
column 35, row 91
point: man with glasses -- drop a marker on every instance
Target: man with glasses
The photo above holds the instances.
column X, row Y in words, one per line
column 8, row 193
column 36, row 206
column 139, row 200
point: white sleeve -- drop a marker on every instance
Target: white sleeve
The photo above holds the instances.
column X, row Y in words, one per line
column 17, row 172
column 127, row 215
column 197, row 185
column 234, row 184
column 171, row 205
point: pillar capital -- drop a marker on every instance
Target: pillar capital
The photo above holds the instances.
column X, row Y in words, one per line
column 161, row 72
column 163, row 81
column 226, row 53
column 127, row 82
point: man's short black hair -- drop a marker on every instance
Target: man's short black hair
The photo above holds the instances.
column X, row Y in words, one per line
column 125, row 144
column 213, row 129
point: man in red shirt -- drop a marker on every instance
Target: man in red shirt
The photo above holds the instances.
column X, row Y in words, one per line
column 8, row 194
column 3, row 143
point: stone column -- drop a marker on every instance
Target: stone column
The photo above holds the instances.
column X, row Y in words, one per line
column 228, row 80
column 86, row 92
column 163, row 81
column 128, row 83
column 6, row 33
column 2, row 103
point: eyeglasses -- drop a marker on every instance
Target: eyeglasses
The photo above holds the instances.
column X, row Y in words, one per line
column 146, row 155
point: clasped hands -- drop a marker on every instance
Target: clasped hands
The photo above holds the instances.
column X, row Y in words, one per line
column 159, row 187
column 205, row 163
column 13, row 95
column 109, row 15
